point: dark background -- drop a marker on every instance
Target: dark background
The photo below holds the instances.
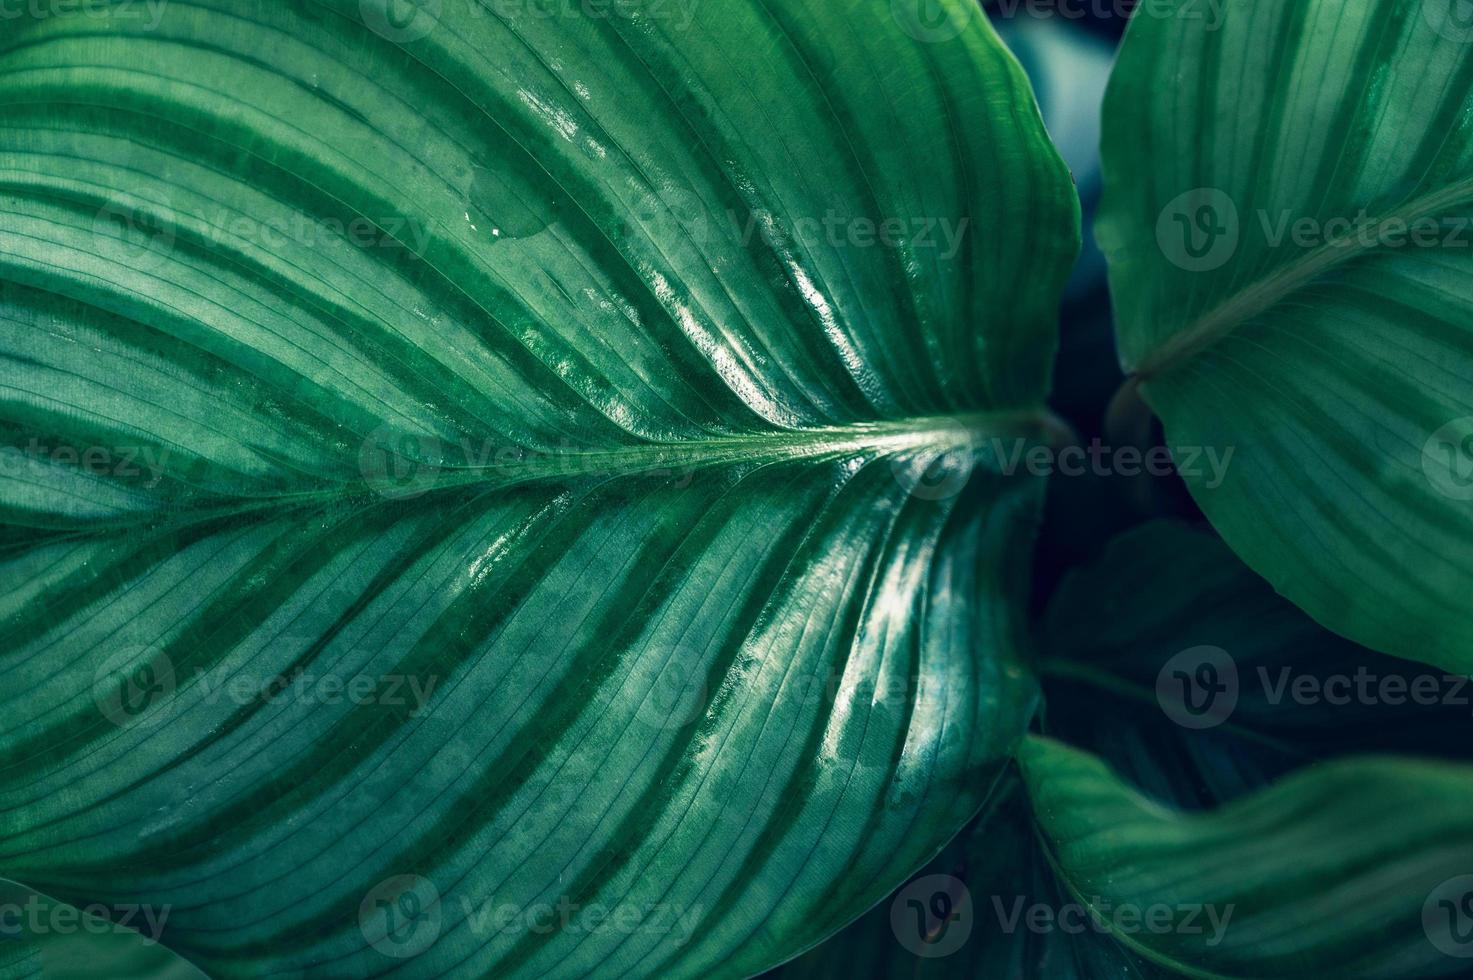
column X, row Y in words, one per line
column 1067, row 48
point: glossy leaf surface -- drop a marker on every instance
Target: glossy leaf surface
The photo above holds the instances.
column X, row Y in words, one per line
column 1289, row 188
column 1356, row 868
column 503, row 494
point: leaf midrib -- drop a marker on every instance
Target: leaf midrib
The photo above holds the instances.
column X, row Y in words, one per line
column 1266, row 293
column 1009, row 433
column 934, row 433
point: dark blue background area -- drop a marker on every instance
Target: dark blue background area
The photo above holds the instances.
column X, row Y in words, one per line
column 1105, row 18
column 1067, row 48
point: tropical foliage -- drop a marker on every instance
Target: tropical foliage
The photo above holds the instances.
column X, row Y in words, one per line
column 537, row 490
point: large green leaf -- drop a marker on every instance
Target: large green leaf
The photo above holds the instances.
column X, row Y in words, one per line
column 1356, row 868
column 1289, row 187
column 476, row 469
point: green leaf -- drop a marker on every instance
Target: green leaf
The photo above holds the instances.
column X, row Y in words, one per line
column 1190, row 676
column 509, row 493
column 1289, row 186
column 1353, row 868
